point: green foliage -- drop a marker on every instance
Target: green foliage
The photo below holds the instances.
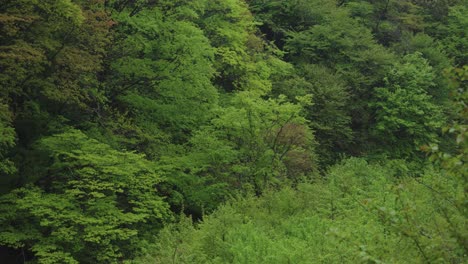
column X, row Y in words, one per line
column 406, row 116
column 279, row 17
column 7, row 140
column 52, row 49
column 342, row 44
column 115, row 113
column 230, row 28
column 433, row 52
column 346, row 49
column 360, row 213
column 251, row 145
column 328, row 114
column 453, row 163
column 162, row 72
column 95, row 204
column 454, row 36
column 389, row 18
column 50, row 54
column 267, row 134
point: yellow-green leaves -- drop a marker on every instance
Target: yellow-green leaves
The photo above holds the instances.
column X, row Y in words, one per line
column 90, row 200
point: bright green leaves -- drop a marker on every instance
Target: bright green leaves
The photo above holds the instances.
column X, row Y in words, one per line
column 361, row 212
column 163, row 72
column 92, row 199
column 406, row 116
column 101, row 170
column 227, row 23
column 324, row 41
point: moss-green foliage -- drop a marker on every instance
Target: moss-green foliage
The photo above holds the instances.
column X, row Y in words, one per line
column 360, row 213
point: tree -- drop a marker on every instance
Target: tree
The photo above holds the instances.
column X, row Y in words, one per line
column 349, row 50
column 7, row 141
column 453, row 34
column 52, row 49
column 93, row 204
column 270, row 137
column 161, row 72
column 405, row 115
column 230, row 28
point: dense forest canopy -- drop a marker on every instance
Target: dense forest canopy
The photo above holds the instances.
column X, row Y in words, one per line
column 233, row 131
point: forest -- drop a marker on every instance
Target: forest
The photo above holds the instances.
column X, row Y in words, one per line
column 233, row 131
